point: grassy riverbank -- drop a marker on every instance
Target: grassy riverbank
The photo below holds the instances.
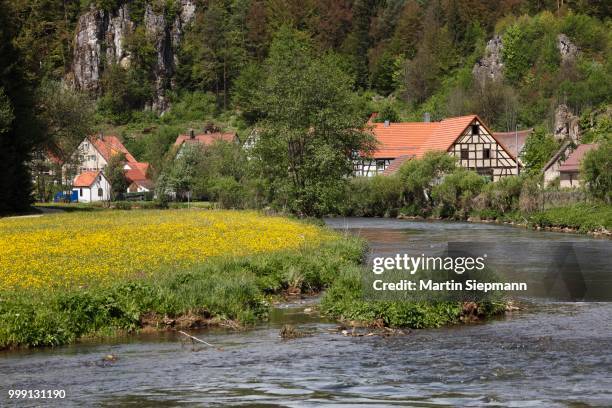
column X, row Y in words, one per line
column 582, row 217
column 66, row 276
column 74, row 275
column 347, row 301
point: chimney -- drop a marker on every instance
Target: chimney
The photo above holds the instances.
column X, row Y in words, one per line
column 426, row 117
column 387, row 123
column 191, row 134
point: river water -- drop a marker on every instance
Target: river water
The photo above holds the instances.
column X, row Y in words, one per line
column 556, row 352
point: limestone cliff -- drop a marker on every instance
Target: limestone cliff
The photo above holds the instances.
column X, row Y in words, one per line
column 490, row 67
column 100, row 40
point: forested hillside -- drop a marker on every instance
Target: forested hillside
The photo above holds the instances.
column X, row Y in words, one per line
column 149, row 69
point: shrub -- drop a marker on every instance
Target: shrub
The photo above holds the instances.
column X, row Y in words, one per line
column 503, row 195
column 454, row 196
column 419, row 176
column 228, row 192
column 123, row 205
column 596, row 170
column 376, row 196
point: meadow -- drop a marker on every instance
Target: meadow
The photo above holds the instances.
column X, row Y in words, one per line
column 96, row 248
column 66, row 276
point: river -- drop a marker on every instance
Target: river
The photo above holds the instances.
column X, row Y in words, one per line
column 555, row 352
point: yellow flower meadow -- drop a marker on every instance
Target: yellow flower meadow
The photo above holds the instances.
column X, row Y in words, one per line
column 81, row 249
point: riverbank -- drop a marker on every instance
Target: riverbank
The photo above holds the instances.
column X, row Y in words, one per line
column 78, row 275
column 583, row 218
column 68, row 276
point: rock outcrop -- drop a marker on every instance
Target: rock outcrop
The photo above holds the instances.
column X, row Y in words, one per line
column 100, row 40
column 567, row 49
column 490, row 67
column 566, row 125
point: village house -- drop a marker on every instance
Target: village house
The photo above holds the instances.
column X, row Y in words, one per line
column 94, row 154
column 565, row 165
column 465, row 137
column 203, row 139
column 91, row 186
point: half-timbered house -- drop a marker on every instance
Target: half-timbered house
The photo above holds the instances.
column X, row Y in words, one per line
column 466, row 137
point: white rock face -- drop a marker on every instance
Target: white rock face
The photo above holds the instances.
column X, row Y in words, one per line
column 86, row 62
column 118, row 27
column 567, row 124
column 100, row 40
column 567, row 49
column 491, row 66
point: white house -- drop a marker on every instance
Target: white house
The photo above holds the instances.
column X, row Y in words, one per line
column 565, row 165
column 91, row 186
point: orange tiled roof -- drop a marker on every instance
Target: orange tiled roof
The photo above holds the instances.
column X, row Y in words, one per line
column 205, row 138
column 446, row 133
column 401, row 139
column 111, row 145
column 395, row 165
column 85, row 179
column 417, row 138
column 137, row 171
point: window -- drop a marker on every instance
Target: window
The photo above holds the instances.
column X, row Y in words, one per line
column 486, row 153
column 380, row 165
column 475, row 129
column 465, row 154
column 80, row 192
column 92, row 157
column 100, row 192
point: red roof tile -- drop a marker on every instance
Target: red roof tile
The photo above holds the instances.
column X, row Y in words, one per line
column 395, row 165
column 417, row 138
column 137, row 171
column 446, row 133
column 401, row 139
column 85, row 179
column 572, row 163
column 109, row 146
column 205, row 138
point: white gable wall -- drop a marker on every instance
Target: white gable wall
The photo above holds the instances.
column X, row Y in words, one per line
column 92, row 193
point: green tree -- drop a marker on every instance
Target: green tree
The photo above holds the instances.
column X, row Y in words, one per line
column 596, row 170
column 539, row 148
column 115, row 174
column 420, row 175
column 67, row 117
column 387, row 112
column 311, row 128
column 455, row 193
column 20, row 131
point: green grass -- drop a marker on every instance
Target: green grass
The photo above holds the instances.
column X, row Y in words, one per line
column 582, row 217
column 346, row 300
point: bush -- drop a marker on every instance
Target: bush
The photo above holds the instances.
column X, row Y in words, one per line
column 455, row 194
column 122, row 205
column 228, row 192
column 419, row 176
column 377, row 196
column 503, row 195
column 596, row 171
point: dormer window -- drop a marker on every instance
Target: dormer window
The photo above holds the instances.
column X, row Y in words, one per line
column 475, row 130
